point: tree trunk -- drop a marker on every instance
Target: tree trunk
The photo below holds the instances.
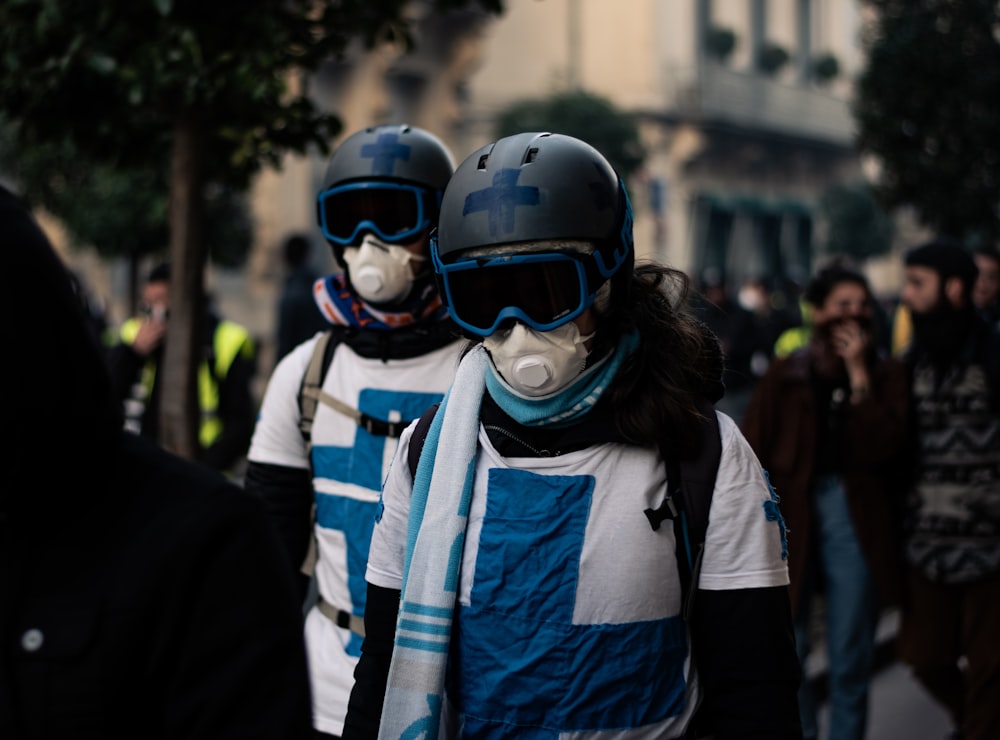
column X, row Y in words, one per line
column 179, row 411
column 133, row 283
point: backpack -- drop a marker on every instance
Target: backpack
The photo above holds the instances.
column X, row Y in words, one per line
column 690, row 484
column 311, row 394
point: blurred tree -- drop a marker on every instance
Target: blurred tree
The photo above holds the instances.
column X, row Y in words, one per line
column 215, row 89
column 116, row 211
column 928, row 107
column 582, row 115
column 856, row 225
column 119, row 211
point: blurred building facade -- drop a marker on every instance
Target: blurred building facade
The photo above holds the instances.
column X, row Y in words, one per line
column 744, row 125
column 743, row 131
column 743, row 108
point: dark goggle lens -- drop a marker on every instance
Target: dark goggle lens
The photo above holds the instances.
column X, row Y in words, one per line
column 544, row 292
column 393, row 213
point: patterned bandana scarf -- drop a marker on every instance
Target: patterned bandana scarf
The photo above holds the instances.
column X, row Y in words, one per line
column 569, row 404
column 340, row 305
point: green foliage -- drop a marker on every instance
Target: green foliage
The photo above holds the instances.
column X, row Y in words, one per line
column 119, row 211
column 95, row 88
column 825, row 68
column 771, row 58
column 112, row 75
column 857, row 225
column 228, row 227
column 928, row 107
column 720, row 42
column 582, row 115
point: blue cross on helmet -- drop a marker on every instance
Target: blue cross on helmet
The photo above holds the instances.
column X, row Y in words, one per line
column 531, row 226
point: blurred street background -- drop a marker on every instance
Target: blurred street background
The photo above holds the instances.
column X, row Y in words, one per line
column 899, row 708
column 758, row 139
column 754, row 135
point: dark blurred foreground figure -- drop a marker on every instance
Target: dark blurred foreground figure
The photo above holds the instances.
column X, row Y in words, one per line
column 537, row 594
column 141, row 595
column 949, row 632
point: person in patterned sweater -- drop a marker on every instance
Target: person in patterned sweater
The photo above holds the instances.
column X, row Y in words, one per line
column 948, row 632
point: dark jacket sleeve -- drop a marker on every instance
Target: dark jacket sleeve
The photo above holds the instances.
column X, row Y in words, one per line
column 237, row 411
column 242, row 673
column 288, row 498
column 877, row 426
column 364, row 710
column 744, row 648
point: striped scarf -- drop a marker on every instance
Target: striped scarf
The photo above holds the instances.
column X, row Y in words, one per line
column 439, row 507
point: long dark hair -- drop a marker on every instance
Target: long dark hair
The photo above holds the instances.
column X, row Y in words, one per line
column 664, row 389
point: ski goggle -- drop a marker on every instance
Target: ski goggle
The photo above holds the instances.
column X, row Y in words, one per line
column 543, row 290
column 395, row 212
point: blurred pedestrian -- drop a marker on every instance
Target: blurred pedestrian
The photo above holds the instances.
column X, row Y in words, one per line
column 225, row 375
column 336, row 404
column 829, row 423
column 141, row 595
column 298, row 315
column 537, row 595
column 755, row 296
column 986, row 289
column 949, row 627
column 740, row 335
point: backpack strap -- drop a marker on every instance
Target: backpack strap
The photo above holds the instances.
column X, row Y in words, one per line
column 698, row 476
column 311, row 394
column 312, row 382
column 690, row 485
column 417, row 438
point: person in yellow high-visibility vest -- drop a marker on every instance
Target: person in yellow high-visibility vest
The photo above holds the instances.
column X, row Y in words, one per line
column 225, row 374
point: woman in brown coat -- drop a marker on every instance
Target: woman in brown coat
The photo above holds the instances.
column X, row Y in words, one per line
column 829, row 425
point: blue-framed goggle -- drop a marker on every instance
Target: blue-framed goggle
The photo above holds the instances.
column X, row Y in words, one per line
column 542, row 290
column 395, row 212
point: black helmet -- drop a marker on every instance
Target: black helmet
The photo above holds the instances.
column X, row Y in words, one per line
column 529, row 188
column 404, row 164
column 536, row 187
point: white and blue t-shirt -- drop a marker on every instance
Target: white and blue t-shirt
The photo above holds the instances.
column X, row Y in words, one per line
column 349, row 465
column 569, row 622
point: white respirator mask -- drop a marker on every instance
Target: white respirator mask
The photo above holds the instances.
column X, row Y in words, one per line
column 537, row 363
column 380, row 272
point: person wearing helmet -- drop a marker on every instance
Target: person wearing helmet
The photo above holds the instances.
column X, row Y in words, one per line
column 519, row 582
column 335, row 405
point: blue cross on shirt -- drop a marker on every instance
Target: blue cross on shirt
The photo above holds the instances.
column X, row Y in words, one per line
column 520, row 630
column 384, row 153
